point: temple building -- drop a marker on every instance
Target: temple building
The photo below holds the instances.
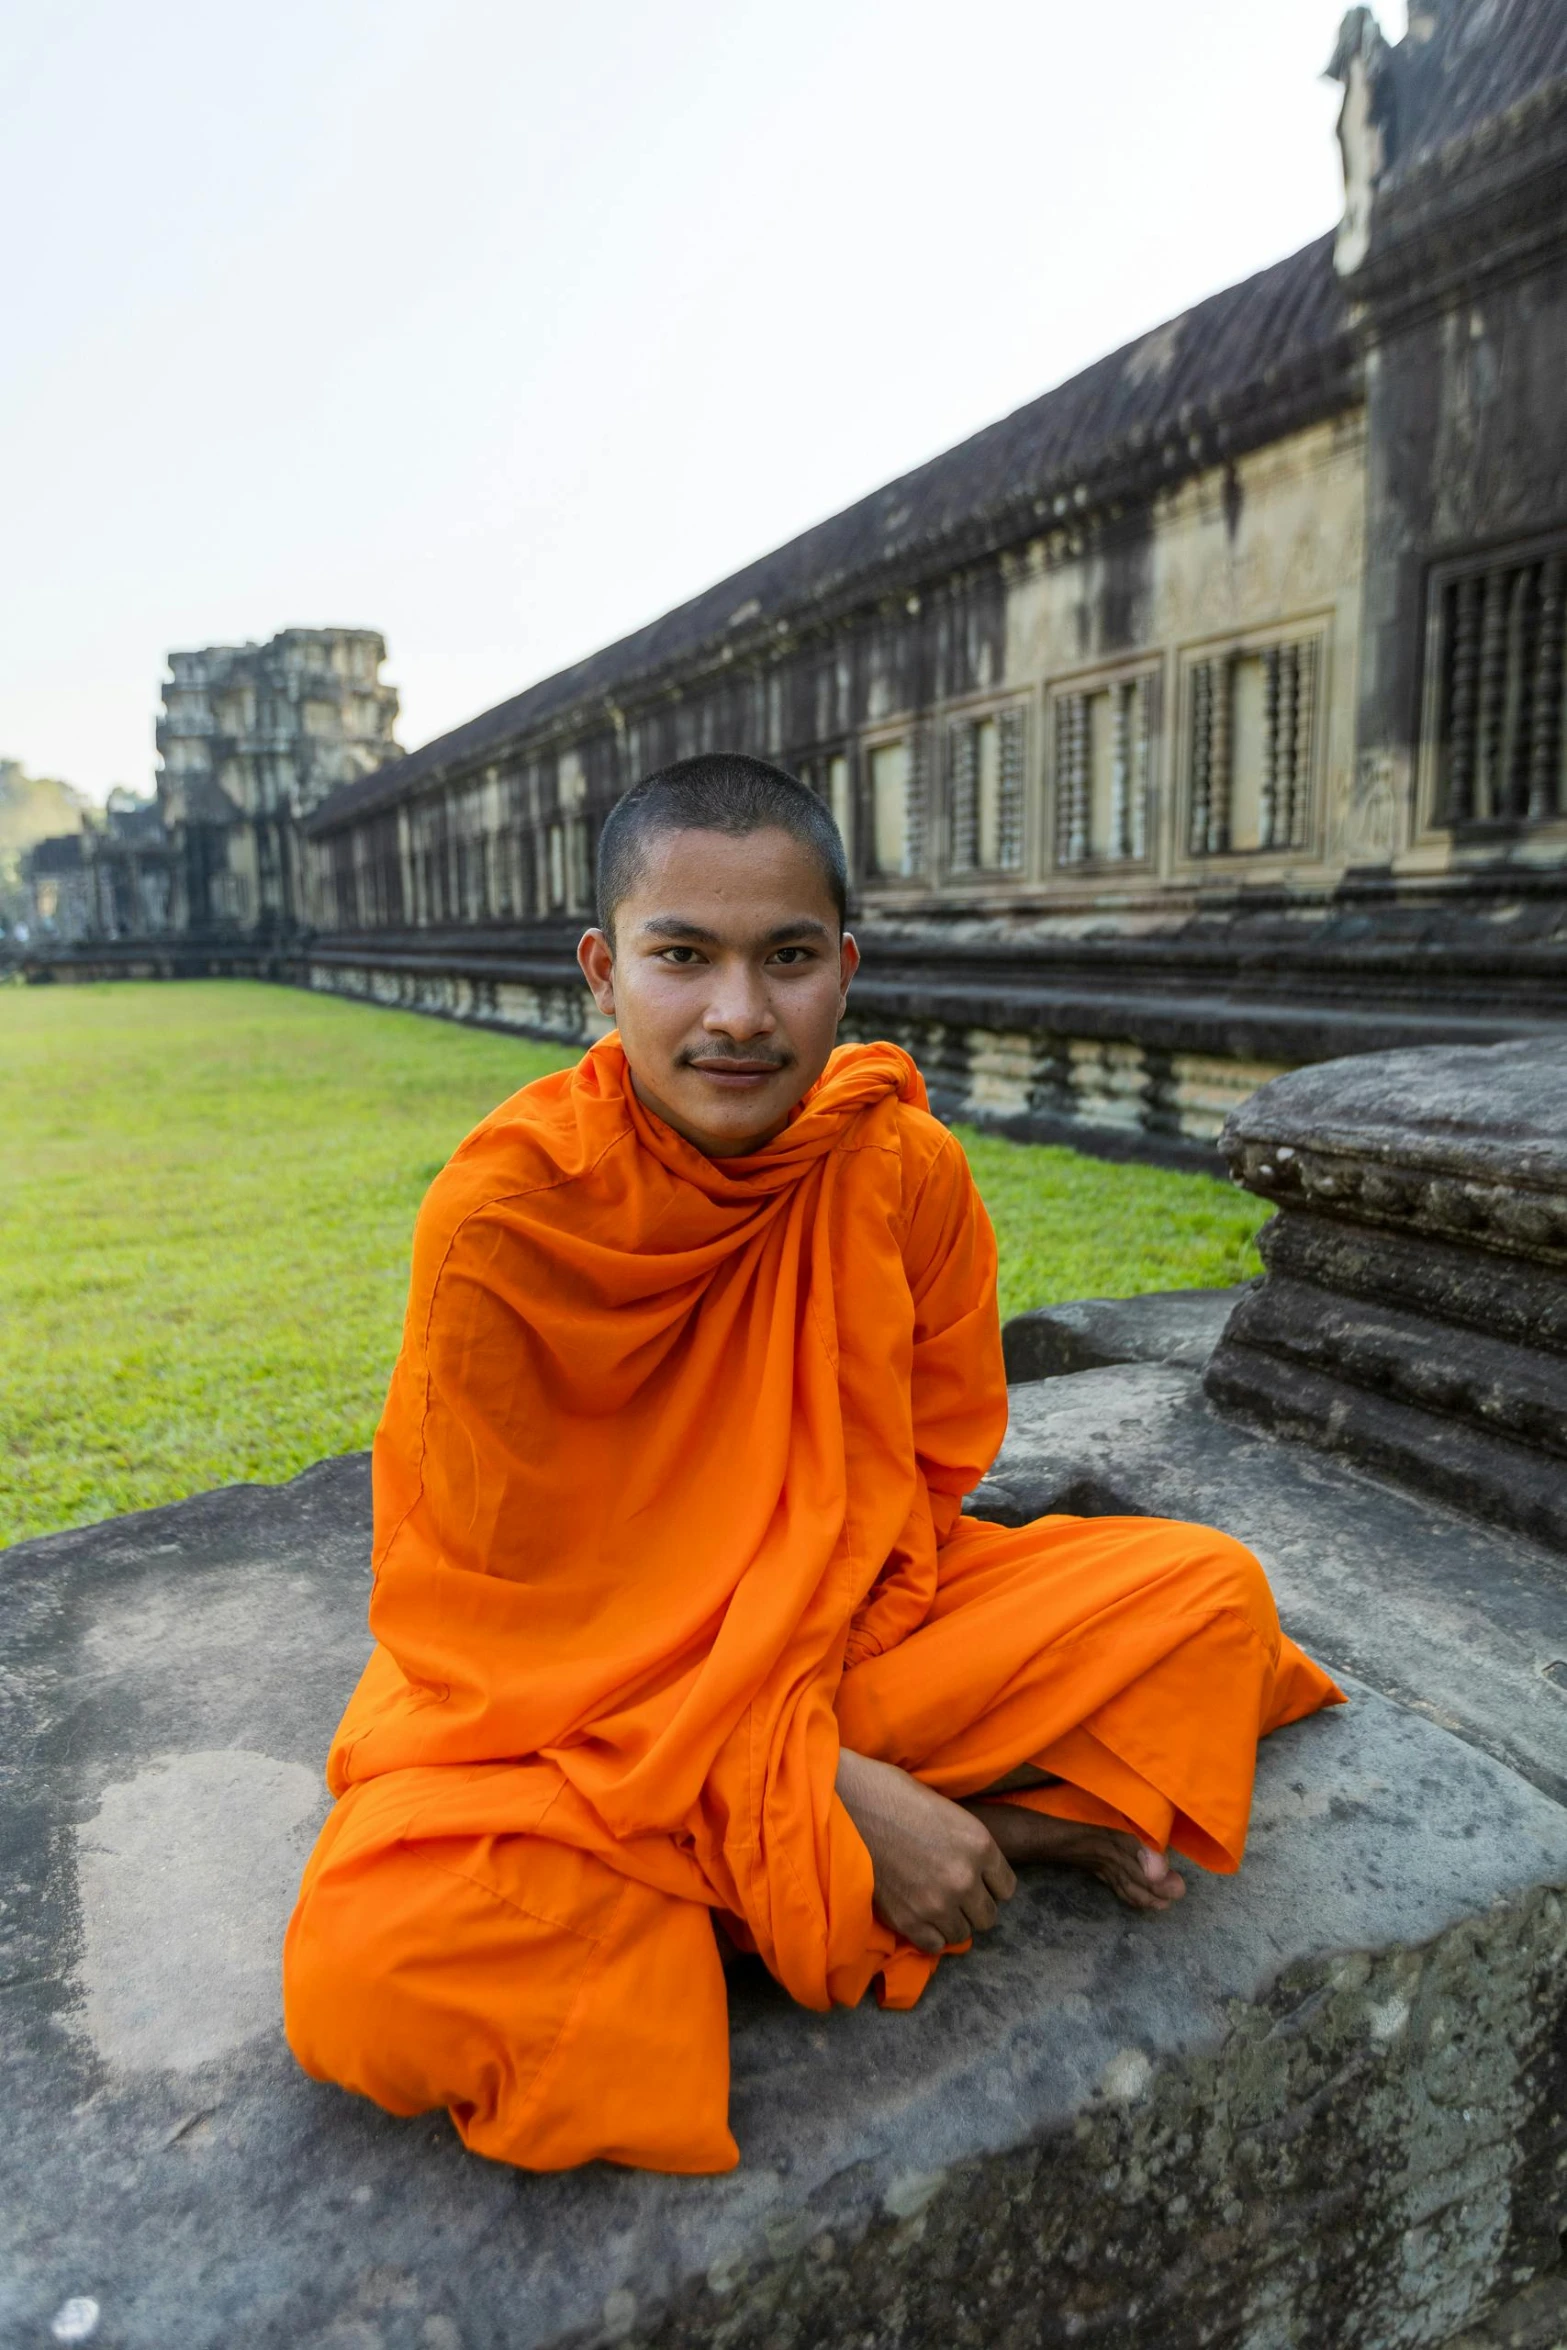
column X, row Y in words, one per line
column 1202, row 718
column 108, row 879
column 251, row 740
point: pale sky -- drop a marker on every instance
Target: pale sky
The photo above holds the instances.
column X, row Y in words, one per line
column 502, row 328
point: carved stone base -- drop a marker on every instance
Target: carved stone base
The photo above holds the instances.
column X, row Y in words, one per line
column 1415, row 1310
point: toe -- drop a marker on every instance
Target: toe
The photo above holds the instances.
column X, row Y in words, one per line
column 1139, row 1897
column 1127, row 1882
column 1143, row 1878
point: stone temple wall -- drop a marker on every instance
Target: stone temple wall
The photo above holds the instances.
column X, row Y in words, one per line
column 1111, row 1095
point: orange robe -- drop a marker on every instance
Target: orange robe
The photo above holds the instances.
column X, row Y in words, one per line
column 667, row 1504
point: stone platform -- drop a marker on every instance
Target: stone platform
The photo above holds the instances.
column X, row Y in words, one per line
column 1319, row 2104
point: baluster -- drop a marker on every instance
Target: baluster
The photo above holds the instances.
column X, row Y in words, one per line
column 1491, row 783
column 1202, row 754
column 1141, row 728
column 916, row 801
column 964, row 809
column 1462, row 713
column 1304, row 696
column 1120, row 769
column 1219, row 759
column 1079, row 840
column 1063, row 778
column 1285, row 764
column 1268, row 790
column 1009, row 826
column 1518, row 692
column 1545, row 748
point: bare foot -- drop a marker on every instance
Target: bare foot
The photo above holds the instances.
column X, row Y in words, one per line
column 1134, row 1872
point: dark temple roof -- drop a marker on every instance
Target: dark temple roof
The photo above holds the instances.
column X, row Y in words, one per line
column 1481, row 59
column 1237, row 346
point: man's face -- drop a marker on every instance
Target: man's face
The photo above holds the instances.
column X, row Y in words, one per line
column 727, row 981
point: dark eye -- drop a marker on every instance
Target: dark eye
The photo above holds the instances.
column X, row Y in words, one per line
column 793, row 954
column 679, row 955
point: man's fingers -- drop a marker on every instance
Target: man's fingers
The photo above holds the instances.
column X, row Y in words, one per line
column 979, row 1911
column 999, row 1874
column 938, row 1872
column 930, row 1934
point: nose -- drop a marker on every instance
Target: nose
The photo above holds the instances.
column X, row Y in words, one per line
column 738, row 1006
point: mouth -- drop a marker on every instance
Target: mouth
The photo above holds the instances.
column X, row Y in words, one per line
column 734, row 1074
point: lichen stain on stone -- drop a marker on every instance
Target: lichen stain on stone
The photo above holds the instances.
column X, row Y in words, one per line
column 1126, row 2076
column 187, row 1874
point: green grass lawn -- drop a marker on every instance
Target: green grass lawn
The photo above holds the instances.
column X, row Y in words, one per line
column 206, row 1196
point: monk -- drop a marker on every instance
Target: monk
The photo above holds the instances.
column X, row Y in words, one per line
column 683, row 1642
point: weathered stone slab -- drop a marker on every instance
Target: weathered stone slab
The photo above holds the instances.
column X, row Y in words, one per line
column 1315, row 2105
column 1163, row 1326
column 1463, row 1142
column 1414, row 1313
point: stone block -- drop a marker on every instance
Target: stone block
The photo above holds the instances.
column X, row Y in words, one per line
column 1164, row 1326
column 1414, row 1312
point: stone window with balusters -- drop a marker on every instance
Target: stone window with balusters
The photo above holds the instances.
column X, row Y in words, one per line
column 1103, row 760
column 829, row 775
column 987, row 759
column 897, row 795
column 1494, row 740
column 1252, row 729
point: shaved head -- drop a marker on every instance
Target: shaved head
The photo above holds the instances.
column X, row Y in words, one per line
column 718, row 791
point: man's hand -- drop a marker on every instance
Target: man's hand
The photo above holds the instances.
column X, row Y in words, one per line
column 940, row 1874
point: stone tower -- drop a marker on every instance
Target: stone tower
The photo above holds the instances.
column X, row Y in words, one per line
column 252, row 739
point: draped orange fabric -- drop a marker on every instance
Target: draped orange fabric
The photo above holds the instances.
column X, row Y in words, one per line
column 667, row 1503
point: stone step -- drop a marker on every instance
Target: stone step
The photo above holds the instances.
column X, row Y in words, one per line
column 1163, row 1326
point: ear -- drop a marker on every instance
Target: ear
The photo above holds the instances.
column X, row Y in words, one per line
column 596, row 958
column 848, row 964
